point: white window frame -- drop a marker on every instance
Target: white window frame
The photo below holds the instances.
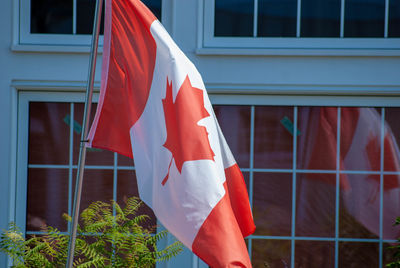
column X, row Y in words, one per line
column 210, row 44
column 27, row 91
column 24, row 40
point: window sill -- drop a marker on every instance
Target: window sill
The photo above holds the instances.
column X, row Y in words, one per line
column 297, row 52
column 53, row 48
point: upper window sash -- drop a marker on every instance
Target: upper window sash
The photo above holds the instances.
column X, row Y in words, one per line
column 296, row 45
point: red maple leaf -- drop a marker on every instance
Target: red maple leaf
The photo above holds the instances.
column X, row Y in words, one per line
column 186, row 140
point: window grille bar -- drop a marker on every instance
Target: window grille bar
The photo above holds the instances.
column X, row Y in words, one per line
column 71, row 154
column 298, row 22
column 293, row 231
column 255, row 18
column 74, row 16
column 381, row 179
column 337, row 189
column 386, row 31
column 342, row 6
column 324, row 239
column 251, row 174
column 115, row 180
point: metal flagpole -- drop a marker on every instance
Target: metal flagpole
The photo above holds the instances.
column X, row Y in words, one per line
column 85, row 125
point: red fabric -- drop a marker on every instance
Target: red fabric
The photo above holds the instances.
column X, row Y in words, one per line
column 221, row 232
column 130, row 73
column 237, row 194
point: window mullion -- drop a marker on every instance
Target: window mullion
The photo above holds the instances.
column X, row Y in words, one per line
column 255, row 18
column 298, row 18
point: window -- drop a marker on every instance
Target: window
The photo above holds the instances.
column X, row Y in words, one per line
column 62, row 22
column 302, row 24
column 325, row 177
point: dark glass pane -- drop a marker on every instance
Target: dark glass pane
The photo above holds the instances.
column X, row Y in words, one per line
column 126, row 188
column 234, row 18
column 394, row 18
column 316, row 138
column 320, row 18
column 364, row 18
column 272, row 203
column 315, row 206
column 49, row 133
column 270, row 253
column 154, row 6
column 273, row 137
column 277, row 18
column 47, row 199
column 315, row 254
column 355, row 254
column 359, row 206
column 85, row 17
column 360, row 139
column 94, row 156
column 51, row 16
column 235, row 124
column 391, row 206
column 97, row 186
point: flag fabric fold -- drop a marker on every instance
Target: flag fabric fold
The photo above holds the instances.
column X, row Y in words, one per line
column 153, row 105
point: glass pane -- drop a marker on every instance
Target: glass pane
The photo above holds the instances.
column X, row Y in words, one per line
column 316, row 138
column 277, row 18
column 273, row 138
column 272, row 203
column 391, row 206
column 236, row 118
column 315, row 206
column 234, row 18
column 360, row 206
column 270, row 253
column 49, row 133
column 126, row 188
column 364, row 18
column 47, row 198
column 94, row 156
column 388, row 253
column 320, row 18
column 154, row 6
column 394, row 19
column 315, row 254
column 51, row 16
column 352, row 254
column 97, row 186
column 85, row 17
column 360, row 139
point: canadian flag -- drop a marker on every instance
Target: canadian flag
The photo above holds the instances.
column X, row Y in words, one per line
column 153, row 106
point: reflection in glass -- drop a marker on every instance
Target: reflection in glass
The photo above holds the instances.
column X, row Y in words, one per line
column 359, row 207
column 48, row 133
column 97, row 186
column 272, row 203
column 233, row 18
column 270, row 253
column 320, row 18
column 314, row 254
column 358, row 254
column 85, row 17
column 94, row 156
column 364, row 18
column 47, row 195
column 315, row 206
column 394, row 19
column 126, row 188
column 235, row 124
column 51, row 16
column 317, row 138
column 273, row 138
column 277, row 18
